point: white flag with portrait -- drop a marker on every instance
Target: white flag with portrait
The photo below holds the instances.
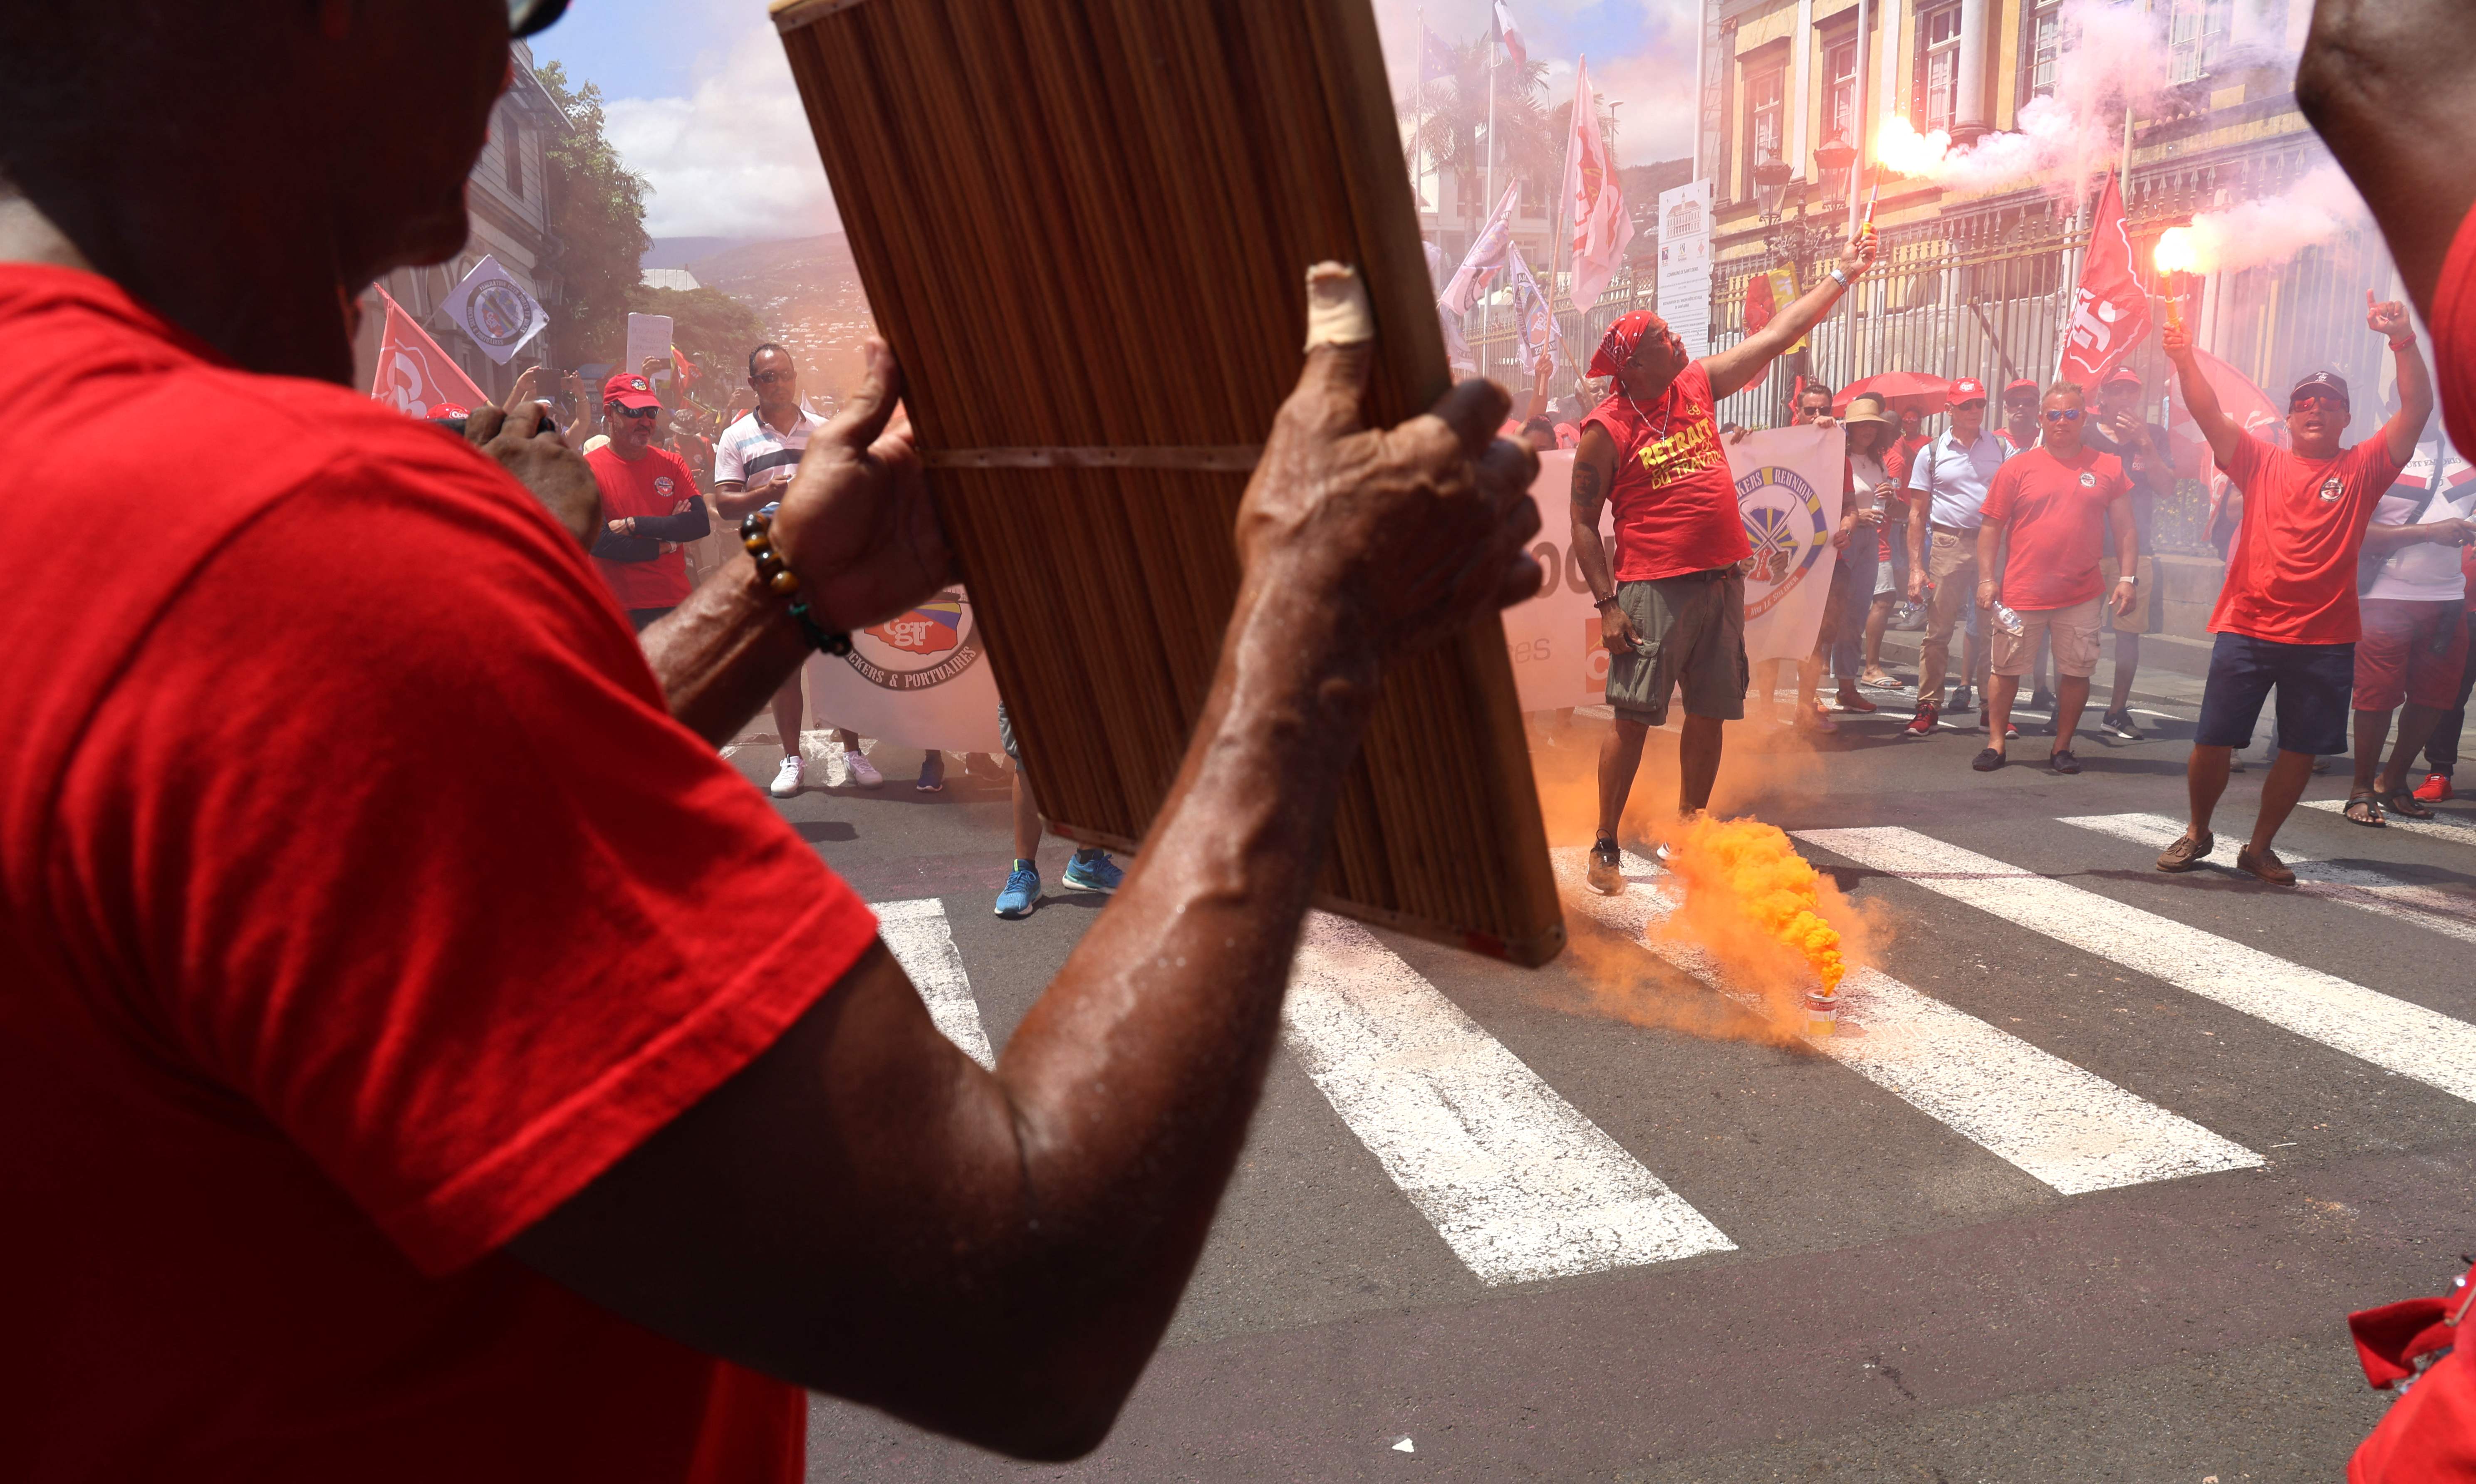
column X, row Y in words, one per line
column 496, row 311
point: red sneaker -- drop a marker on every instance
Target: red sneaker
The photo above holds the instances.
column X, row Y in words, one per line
column 2435, row 789
column 1923, row 724
column 1850, row 701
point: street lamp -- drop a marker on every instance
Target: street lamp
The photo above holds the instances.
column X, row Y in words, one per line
column 1835, row 164
column 1771, row 176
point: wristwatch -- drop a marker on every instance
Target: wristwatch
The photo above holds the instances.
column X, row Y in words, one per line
column 1843, row 277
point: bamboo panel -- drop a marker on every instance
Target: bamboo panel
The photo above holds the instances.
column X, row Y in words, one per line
column 1085, row 225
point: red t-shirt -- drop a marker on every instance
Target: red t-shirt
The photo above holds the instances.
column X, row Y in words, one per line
column 2454, row 336
column 659, row 483
column 2292, row 571
column 2057, row 509
column 360, row 903
column 1674, row 500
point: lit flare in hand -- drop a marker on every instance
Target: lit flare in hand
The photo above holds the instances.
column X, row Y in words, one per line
column 1901, row 147
column 2179, row 252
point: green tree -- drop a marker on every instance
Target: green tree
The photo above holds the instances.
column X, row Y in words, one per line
column 1451, row 115
column 711, row 329
column 597, row 213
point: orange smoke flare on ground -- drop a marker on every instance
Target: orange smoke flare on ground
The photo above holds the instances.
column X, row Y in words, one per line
column 1744, row 874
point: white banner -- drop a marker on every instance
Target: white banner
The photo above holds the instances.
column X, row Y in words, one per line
column 649, row 335
column 1685, row 265
column 1787, row 493
column 918, row 680
column 492, row 308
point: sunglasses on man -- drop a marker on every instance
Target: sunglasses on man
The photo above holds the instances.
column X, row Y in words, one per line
column 2310, row 399
column 2064, row 414
column 644, row 412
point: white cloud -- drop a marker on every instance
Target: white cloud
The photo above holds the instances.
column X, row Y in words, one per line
column 734, row 158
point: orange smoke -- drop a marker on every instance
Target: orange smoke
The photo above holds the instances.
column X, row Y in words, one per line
column 1744, row 883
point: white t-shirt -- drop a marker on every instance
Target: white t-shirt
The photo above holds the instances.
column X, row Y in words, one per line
column 2426, row 572
column 748, row 452
column 1955, row 477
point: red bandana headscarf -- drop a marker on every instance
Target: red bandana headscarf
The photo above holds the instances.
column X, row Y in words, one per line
column 1617, row 346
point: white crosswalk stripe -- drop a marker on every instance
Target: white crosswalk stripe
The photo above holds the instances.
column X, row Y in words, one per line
column 2442, row 826
column 2064, row 1125
column 921, row 939
column 2443, row 911
column 2391, row 1033
column 1518, row 1181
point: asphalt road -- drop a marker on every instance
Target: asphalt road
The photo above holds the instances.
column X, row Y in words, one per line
column 1628, row 1235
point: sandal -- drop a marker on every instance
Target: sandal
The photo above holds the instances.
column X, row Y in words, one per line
column 2403, row 802
column 2366, row 808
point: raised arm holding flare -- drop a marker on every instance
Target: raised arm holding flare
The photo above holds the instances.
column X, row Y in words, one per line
column 1673, row 604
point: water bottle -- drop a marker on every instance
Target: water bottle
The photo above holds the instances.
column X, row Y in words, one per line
column 2006, row 620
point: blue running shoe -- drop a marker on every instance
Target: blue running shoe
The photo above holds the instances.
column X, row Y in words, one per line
column 1022, row 891
column 1092, row 870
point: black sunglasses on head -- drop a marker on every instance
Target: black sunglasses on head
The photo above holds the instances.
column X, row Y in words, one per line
column 531, row 17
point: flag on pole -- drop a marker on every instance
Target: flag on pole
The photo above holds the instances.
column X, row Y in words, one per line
column 1485, row 256
column 414, row 375
column 1593, row 200
column 2110, row 311
column 1532, row 315
column 686, row 369
column 1435, row 56
column 1511, row 37
column 492, row 308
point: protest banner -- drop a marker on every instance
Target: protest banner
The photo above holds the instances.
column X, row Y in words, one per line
column 649, row 335
column 920, row 680
column 414, row 375
column 492, row 308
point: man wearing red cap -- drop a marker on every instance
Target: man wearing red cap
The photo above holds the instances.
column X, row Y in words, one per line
column 1673, row 604
column 650, row 504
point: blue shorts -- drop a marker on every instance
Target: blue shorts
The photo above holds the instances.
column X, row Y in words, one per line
column 2313, row 681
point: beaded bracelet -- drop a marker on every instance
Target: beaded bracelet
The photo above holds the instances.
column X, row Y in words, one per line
column 756, row 533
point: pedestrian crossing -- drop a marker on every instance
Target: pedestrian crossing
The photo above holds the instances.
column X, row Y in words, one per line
column 1520, row 1185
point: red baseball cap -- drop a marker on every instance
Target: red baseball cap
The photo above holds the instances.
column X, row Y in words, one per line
column 631, row 391
column 1967, row 389
column 2018, row 383
column 2122, row 374
column 447, row 410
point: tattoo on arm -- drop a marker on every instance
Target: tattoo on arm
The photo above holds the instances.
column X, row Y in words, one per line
column 1586, row 492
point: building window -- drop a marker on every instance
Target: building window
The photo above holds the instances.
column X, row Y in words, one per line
column 1763, row 137
column 1840, row 67
column 1938, row 101
column 2045, row 45
column 511, row 139
column 2197, row 35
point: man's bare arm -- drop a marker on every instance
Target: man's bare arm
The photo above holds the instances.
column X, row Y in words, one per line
column 2201, row 398
column 864, row 1210
column 1731, row 369
column 2407, row 425
column 1595, row 464
column 2386, row 82
column 2382, row 540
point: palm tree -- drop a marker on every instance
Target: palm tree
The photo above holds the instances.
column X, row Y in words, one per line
column 1451, row 114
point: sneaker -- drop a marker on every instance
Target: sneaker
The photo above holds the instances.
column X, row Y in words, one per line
column 2435, row 789
column 2265, row 867
column 2119, row 723
column 1850, row 701
column 932, row 773
column 2188, row 851
column 1987, row 760
column 1908, row 616
column 1022, row 891
column 1606, row 872
column 1923, row 724
column 1092, row 870
column 2064, row 762
column 786, row 777
column 862, row 770
column 1964, row 699
column 2235, row 762
column 2042, row 701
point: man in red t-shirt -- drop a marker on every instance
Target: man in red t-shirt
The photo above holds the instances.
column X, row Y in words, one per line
column 527, row 1100
column 1672, row 605
column 650, row 501
column 2046, row 515
column 2286, row 618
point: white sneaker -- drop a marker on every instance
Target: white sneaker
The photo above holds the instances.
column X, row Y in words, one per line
column 786, row 778
column 862, row 770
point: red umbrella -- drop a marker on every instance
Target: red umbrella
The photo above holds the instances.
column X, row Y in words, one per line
column 1902, row 391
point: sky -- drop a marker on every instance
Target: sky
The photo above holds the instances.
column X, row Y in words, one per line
column 700, row 100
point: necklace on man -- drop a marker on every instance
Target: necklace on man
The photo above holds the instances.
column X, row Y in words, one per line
column 1641, row 419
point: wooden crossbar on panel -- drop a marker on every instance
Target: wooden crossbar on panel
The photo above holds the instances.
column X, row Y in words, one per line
column 1084, row 226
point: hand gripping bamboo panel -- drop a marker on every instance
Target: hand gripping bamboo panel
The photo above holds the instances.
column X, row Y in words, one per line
column 1084, row 225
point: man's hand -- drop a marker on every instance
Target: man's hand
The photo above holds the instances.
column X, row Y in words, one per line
column 526, row 444
column 2126, row 590
column 1411, row 531
column 1864, row 247
column 856, row 522
column 1916, row 584
column 624, row 526
column 654, row 365
column 1617, row 630
column 1985, row 592
column 528, row 388
column 2176, row 341
column 2388, row 319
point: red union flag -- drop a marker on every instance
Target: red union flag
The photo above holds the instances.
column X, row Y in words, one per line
column 414, row 375
column 1594, row 202
column 2111, row 312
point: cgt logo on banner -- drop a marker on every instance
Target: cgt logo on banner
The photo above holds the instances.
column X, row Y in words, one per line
column 917, row 680
column 1788, row 494
column 413, row 374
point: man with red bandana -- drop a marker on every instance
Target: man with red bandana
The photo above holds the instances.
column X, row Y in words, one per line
column 2386, row 82
column 1673, row 604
